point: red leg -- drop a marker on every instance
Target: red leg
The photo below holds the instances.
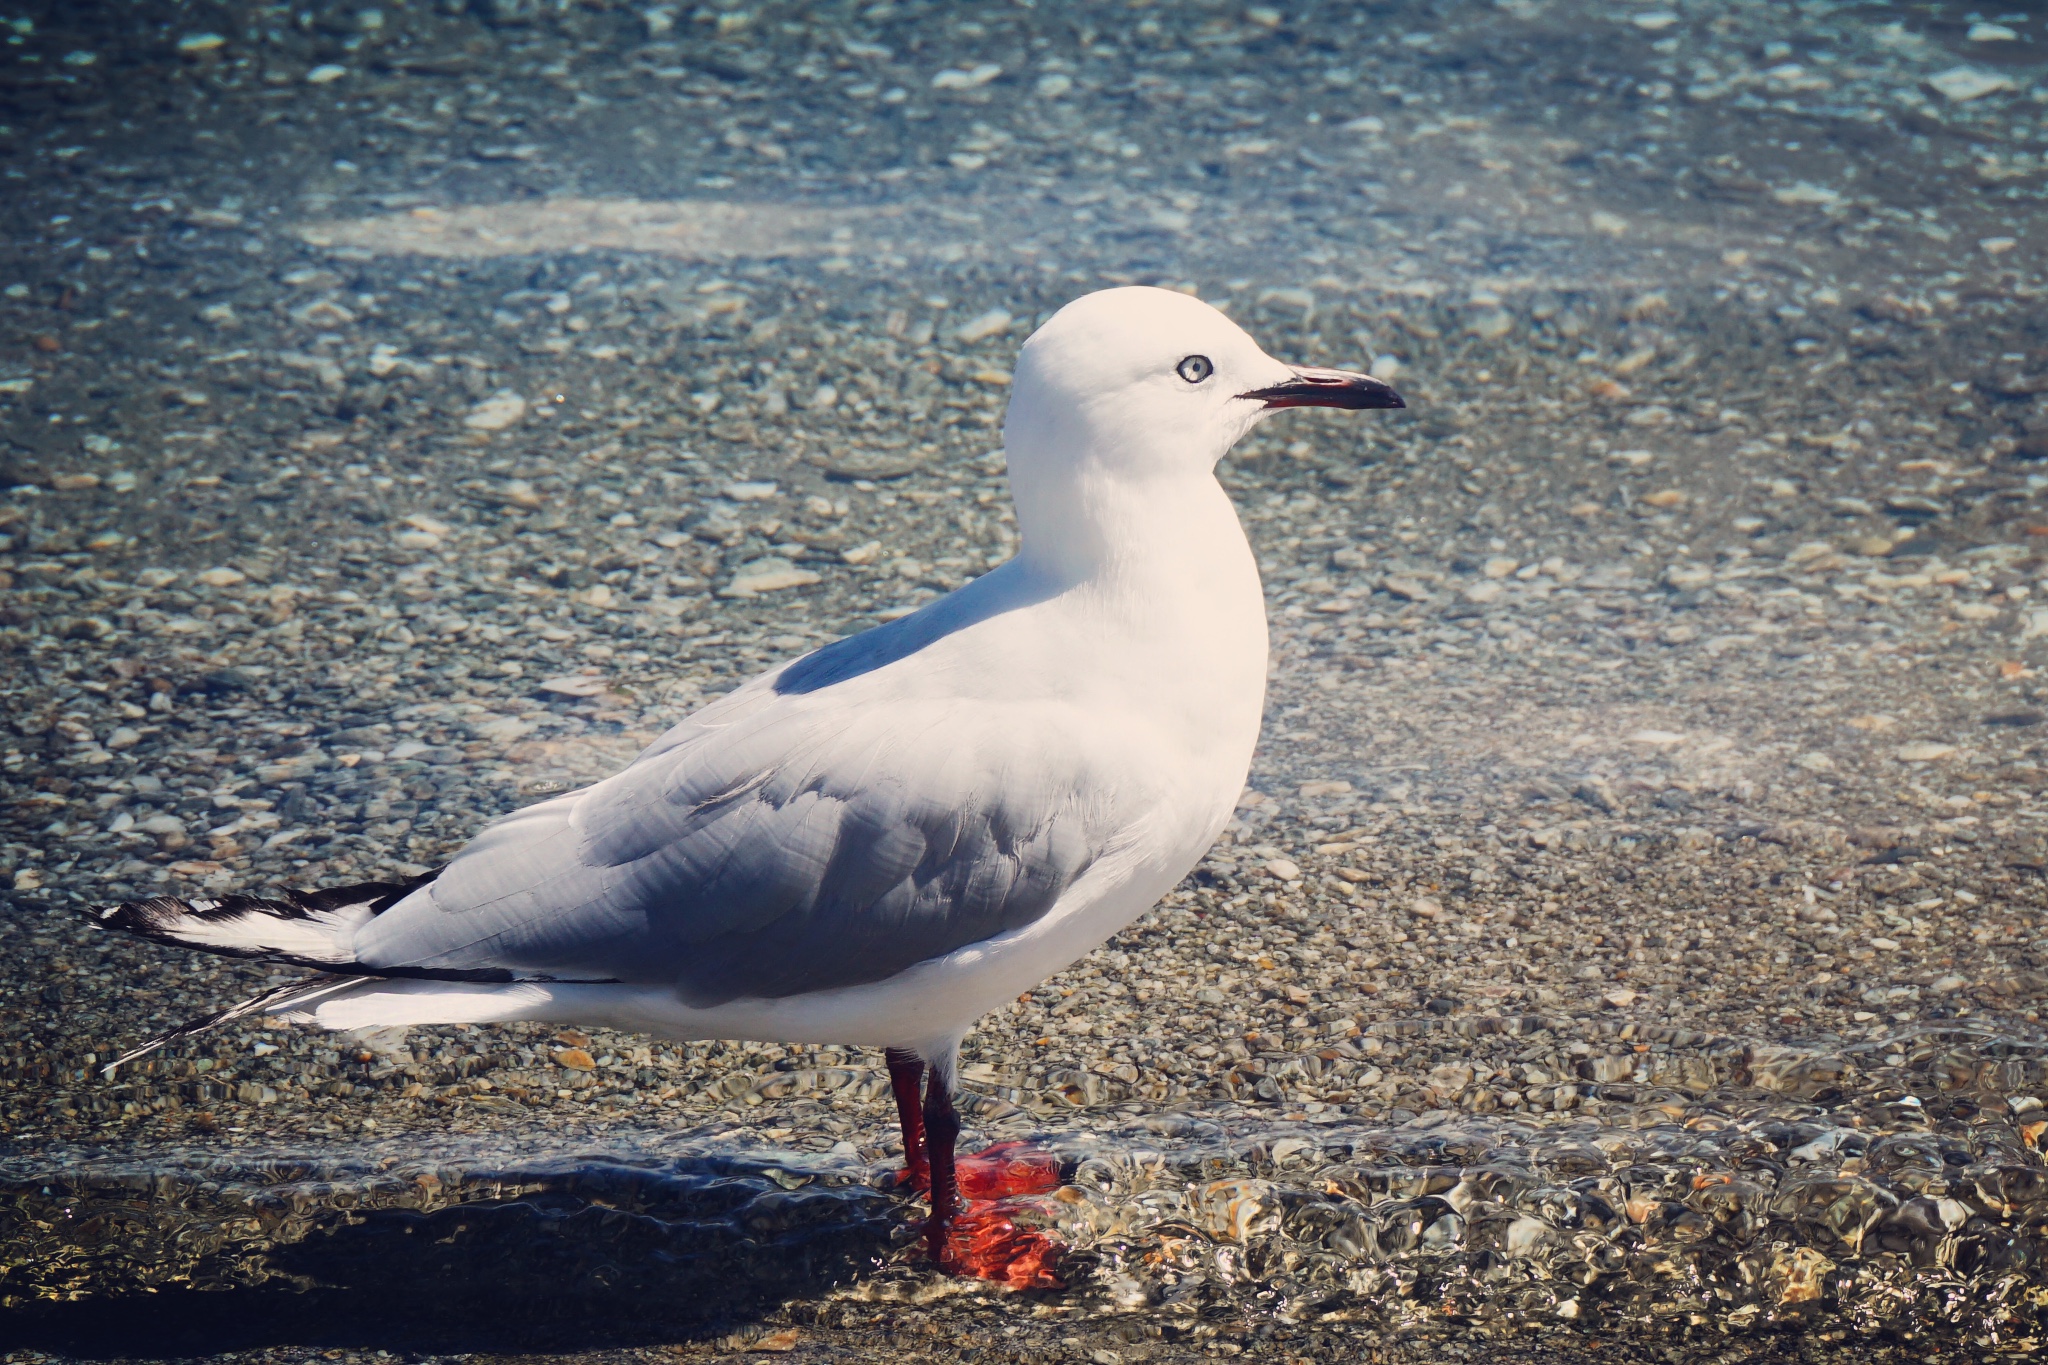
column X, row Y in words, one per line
column 982, row 1240
column 941, row 1131
column 906, row 1075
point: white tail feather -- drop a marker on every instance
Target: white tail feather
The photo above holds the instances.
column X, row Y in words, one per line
column 378, row 1003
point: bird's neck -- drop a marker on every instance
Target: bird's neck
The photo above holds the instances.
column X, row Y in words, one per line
column 1162, row 557
column 1099, row 525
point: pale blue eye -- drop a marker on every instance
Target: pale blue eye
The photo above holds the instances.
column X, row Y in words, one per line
column 1195, row 369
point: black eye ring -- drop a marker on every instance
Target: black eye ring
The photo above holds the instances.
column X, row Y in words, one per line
column 1195, row 368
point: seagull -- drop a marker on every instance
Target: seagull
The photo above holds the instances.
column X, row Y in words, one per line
column 879, row 842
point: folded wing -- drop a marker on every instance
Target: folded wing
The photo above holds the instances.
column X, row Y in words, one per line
column 774, row 845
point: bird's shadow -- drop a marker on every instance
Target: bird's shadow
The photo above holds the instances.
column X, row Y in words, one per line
column 578, row 1258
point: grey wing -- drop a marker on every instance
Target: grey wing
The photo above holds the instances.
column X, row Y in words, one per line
column 779, row 854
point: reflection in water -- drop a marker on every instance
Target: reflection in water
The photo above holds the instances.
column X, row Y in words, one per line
column 1697, row 1183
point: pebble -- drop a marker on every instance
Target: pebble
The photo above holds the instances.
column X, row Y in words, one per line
column 969, row 78
column 1964, row 83
column 1925, row 752
column 982, row 326
column 501, row 410
column 1491, row 324
column 575, row 685
column 771, row 574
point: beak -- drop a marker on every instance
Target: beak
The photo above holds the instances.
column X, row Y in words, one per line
column 1312, row 388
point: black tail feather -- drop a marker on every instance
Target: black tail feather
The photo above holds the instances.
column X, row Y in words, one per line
column 295, row 928
column 310, row 929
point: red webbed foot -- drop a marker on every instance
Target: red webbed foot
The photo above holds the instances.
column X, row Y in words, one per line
column 984, row 1242
column 1008, row 1168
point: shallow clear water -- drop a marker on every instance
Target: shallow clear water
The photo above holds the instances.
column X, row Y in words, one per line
column 1891, row 1188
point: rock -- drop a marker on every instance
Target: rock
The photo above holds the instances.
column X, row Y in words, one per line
column 502, row 409
column 221, row 681
column 1286, row 869
column 1797, row 1276
column 769, row 1343
column 858, row 463
column 1526, row 1236
column 1802, row 193
column 1924, row 752
column 221, row 577
column 768, row 575
column 1491, row 324
column 1407, row 589
column 953, row 78
column 576, row 685
column 994, row 322
column 1301, row 300
column 1960, row 84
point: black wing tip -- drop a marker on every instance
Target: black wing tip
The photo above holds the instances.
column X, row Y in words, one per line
column 379, row 896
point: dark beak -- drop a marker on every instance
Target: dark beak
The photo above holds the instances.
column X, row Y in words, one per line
column 1328, row 389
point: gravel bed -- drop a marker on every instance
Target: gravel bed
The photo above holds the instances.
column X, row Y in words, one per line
column 1631, row 941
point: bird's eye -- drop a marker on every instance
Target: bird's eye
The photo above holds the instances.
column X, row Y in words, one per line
column 1195, row 369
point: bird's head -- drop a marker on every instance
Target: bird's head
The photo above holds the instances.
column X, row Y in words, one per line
column 1157, row 382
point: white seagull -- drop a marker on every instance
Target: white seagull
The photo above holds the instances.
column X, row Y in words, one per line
column 881, row 841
